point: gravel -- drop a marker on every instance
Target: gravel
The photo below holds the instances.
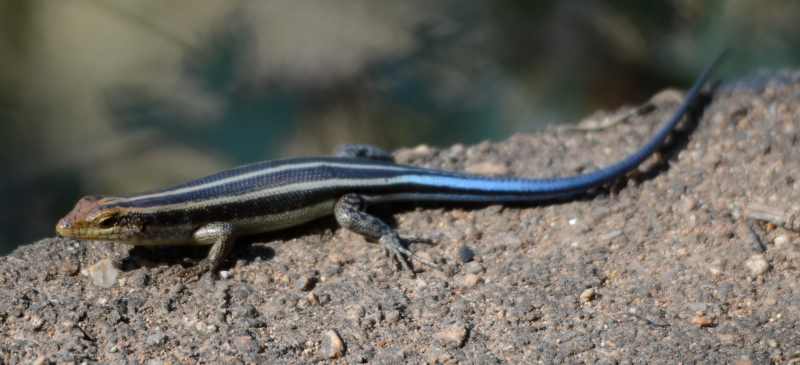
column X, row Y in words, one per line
column 657, row 271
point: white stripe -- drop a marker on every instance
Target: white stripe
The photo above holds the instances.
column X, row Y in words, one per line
column 434, row 181
column 268, row 171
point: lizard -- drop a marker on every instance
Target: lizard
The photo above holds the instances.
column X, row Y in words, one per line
column 273, row 195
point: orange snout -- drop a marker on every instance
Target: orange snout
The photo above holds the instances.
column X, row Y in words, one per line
column 67, row 226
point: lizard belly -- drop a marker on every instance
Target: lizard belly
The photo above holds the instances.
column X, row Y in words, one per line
column 278, row 221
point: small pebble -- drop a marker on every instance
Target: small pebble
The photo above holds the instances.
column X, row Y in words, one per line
column 455, row 151
column 687, row 205
column 36, row 323
column 667, row 96
column 312, row 298
column 332, row 345
column 205, row 328
column 781, row 240
column 757, row 265
column 337, row 259
column 588, row 295
column 453, row 335
column 140, row 279
column 473, row 268
column 156, row 339
column 471, row 280
column 225, row 274
column 245, row 344
column 487, row 169
column 244, row 311
column 727, row 339
column 715, row 267
column 392, row 316
column 465, row 254
column 355, row 313
column 408, row 155
column 700, row 320
column 71, row 267
column 103, row 273
column 306, row 282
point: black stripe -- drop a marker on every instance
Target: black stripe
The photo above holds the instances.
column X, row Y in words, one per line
column 268, row 181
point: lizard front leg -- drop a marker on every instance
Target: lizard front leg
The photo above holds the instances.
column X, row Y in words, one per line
column 350, row 213
column 220, row 236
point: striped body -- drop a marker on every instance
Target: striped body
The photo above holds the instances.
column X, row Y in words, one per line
column 273, row 195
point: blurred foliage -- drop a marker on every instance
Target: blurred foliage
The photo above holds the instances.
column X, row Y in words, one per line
column 112, row 96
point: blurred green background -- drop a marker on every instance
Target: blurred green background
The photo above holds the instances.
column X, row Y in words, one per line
column 116, row 97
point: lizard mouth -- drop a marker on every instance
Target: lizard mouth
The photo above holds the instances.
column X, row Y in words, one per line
column 68, row 229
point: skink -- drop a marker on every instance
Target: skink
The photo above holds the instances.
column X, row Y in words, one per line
column 273, row 195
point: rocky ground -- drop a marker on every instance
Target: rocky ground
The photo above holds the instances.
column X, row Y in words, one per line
column 663, row 268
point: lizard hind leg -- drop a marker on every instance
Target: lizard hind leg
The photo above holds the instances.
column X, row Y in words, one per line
column 350, row 213
column 364, row 151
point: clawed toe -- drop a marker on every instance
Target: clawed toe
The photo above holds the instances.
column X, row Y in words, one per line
column 395, row 246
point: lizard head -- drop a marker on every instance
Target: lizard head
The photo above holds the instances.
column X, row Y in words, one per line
column 97, row 218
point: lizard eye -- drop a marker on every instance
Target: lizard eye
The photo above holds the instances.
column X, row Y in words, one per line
column 108, row 221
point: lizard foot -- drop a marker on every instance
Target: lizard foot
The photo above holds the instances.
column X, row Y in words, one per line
column 396, row 247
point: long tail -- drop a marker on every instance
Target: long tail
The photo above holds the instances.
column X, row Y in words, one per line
column 604, row 175
column 433, row 185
